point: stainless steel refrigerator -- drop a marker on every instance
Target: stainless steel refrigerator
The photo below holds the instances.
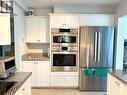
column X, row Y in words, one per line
column 96, row 51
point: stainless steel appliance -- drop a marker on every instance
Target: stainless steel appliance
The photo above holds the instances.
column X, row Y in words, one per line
column 96, row 51
column 64, row 49
column 64, row 36
column 5, row 87
column 7, row 66
column 64, row 59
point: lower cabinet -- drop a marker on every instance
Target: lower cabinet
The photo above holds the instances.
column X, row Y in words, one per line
column 64, row 80
column 40, row 72
column 115, row 86
column 25, row 88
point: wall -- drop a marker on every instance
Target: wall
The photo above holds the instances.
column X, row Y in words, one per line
column 121, row 10
column 84, row 9
column 38, row 47
column 19, row 29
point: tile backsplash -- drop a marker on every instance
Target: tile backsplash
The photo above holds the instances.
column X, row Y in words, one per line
column 38, row 47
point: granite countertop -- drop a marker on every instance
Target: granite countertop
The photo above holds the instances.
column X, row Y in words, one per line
column 20, row 78
column 120, row 75
column 35, row 57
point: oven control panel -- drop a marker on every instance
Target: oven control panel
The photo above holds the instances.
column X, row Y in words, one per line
column 64, row 48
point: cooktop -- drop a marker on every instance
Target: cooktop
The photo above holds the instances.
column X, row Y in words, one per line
column 5, row 86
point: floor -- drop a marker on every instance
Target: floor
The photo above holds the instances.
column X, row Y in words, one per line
column 63, row 92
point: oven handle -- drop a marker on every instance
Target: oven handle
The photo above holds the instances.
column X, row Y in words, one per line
column 65, row 34
column 64, row 52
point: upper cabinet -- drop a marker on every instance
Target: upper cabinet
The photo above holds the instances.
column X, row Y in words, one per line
column 37, row 29
column 5, row 30
column 64, row 20
column 96, row 20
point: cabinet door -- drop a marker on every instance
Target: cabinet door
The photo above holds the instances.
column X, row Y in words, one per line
column 42, row 74
column 19, row 92
column 5, row 33
column 31, row 29
column 124, row 90
column 30, row 66
column 64, row 81
column 114, row 86
column 26, row 88
column 43, row 32
column 71, row 21
column 56, row 21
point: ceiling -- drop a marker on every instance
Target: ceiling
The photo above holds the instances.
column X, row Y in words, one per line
column 51, row 3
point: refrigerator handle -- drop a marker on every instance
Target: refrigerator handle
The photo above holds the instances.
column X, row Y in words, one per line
column 88, row 49
column 95, row 49
column 98, row 55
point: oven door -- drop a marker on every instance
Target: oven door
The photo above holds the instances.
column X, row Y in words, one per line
column 64, row 61
column 64, row 39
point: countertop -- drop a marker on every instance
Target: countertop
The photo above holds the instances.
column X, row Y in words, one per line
column 120, row 75
column 36, row 57
column 20, row 78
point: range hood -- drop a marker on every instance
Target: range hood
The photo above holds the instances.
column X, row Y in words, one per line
column 6, row 6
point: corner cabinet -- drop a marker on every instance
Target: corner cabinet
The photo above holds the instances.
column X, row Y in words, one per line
column 115, row 86
column 25, row 88
column 64, row 20
column 40, row 72
column 37, row 29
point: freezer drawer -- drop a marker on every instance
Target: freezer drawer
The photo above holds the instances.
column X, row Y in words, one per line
column 91, row 83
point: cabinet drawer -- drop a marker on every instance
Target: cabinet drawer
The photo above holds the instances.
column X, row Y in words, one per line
column 64, row 81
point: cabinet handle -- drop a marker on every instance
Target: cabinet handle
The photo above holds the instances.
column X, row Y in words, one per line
column 23, row 89
column 117, row 83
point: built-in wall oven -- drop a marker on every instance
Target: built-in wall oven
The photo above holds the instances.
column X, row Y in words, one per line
column 64, row 59
column 64, row 49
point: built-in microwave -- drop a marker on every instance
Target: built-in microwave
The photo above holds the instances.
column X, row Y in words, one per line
column 7, row 66
column 64, row 36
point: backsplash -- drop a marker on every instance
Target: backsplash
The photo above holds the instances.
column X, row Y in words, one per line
column 38, row 47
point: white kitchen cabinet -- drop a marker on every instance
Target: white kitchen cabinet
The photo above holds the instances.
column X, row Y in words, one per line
column 37, row 29
column 115, row 86
column 25, row 89
column 29, row 66
column 5, row 32
column 64, row 21
column 64, row 80
column 96, row 20
column 40, row 72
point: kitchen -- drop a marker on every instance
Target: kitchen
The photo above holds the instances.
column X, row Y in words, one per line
column 41, row 53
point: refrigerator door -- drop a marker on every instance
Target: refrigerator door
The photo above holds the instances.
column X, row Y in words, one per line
column 92, row 83
column 105, row 46
column 99, row 83
column 88, row 46
column 85, row 83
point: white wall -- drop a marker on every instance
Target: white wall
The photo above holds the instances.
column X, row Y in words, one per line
column 84, row 9
column 121, row 10
column 19, row 29
column 120, row 43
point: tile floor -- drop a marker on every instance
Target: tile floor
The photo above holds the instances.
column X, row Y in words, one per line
column 63, row 92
